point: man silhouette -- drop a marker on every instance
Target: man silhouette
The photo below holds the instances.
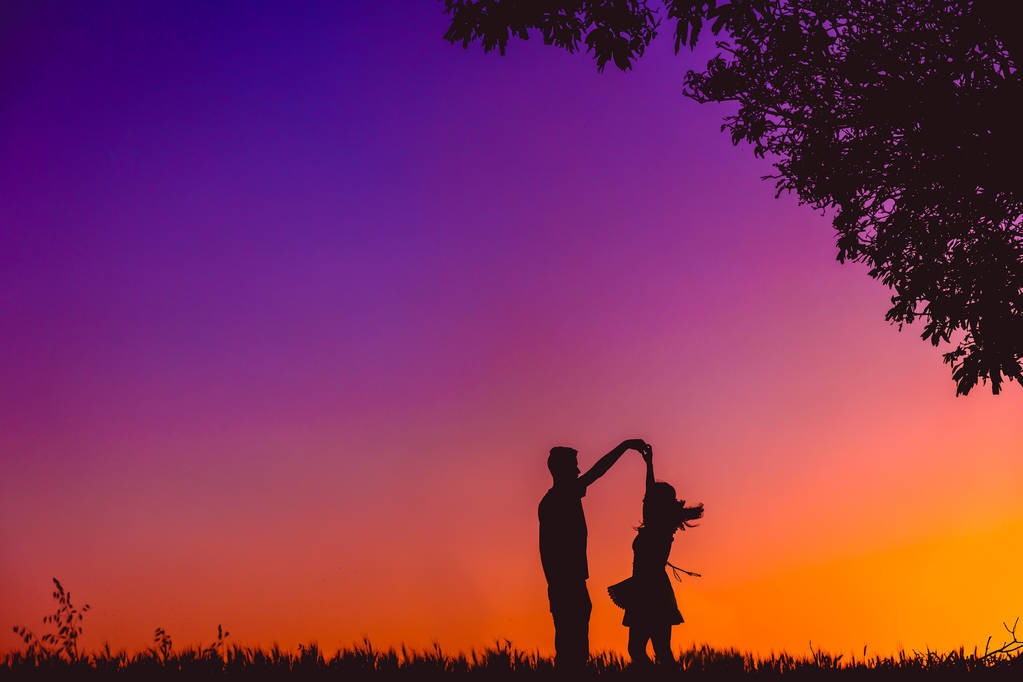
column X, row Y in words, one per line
column 563, row 549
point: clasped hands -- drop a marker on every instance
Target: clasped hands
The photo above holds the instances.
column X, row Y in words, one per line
column 640, row 446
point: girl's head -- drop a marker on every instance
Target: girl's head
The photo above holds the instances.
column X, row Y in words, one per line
column 662, row 509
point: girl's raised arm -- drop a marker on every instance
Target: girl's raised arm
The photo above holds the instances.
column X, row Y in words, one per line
column 648, row 457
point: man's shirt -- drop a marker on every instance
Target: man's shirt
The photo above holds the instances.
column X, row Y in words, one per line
column 563, row 533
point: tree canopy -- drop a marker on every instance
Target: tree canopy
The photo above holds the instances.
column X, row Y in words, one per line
column 902, row 119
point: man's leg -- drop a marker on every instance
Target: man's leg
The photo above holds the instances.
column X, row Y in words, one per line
column 582, row 652
column 570, row 606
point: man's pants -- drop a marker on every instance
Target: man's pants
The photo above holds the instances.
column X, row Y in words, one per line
column 570, row 606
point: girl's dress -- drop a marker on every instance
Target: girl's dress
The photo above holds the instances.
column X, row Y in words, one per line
column 647, row 596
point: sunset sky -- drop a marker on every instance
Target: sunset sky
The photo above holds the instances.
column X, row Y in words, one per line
column 295, row 299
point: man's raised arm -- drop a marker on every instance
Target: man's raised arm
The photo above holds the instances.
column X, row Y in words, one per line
column 608, row 460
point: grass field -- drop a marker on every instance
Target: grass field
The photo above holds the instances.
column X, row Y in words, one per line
column 56, row 655
column 500, row 661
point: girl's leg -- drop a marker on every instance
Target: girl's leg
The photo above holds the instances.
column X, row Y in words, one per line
column 661, row 638
column 638, row 637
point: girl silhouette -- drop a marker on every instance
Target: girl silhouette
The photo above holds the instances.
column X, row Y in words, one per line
column 647, row 597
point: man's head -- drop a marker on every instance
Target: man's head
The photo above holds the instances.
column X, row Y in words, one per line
column 563, row 464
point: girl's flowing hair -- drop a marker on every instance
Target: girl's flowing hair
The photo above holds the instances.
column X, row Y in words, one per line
column 660, row 508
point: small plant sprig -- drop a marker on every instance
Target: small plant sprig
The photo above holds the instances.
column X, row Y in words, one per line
column 68, row 621
column 164, row 645
column 219, row 647
column 1008, row 649
column 163, row 642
